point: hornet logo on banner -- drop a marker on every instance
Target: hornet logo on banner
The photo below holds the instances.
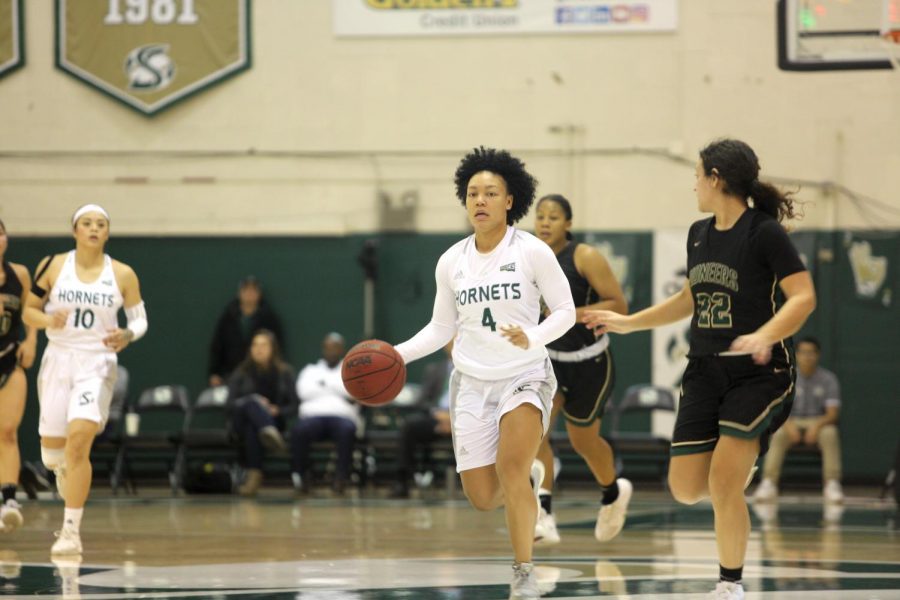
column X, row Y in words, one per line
column 12, row 44
column 149, row 54
column 149, row 68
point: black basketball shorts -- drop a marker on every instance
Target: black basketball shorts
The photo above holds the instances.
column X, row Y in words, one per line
column 730, row 395
column 586, row 386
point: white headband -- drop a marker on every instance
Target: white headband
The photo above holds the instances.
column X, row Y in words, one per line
column 89, row 208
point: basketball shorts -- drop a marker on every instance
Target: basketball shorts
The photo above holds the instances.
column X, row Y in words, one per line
column 74, row 384
column 730, row 395
column 8, row 362
column 477, row 405
column 586, row 386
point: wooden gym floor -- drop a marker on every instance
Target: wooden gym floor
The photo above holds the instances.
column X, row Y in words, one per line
column 368, row 548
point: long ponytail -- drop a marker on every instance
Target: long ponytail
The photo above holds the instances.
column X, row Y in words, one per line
column 769, row 199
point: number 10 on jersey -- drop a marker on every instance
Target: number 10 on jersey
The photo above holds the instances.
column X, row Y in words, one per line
column 84, row 318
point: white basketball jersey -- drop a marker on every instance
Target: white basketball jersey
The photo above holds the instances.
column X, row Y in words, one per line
column 493, row 290
column 93, row 307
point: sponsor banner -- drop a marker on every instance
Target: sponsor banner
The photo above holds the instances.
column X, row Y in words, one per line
column 670, row 342
column 12, row 32
column 476, row 17
column 150, row 54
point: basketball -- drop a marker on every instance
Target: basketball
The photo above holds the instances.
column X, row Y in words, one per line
column 373, row 372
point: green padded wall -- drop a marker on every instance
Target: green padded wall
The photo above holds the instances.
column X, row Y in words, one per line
column 316, row 286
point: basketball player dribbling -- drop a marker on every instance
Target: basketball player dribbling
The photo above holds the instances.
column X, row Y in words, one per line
column 584, row 370
column 739, row 372
column 489, row 289
column 16, row 355
column 76, row 297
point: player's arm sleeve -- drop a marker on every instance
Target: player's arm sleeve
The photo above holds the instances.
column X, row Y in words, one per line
column 442, row 326
column 137, row 320
column 554, row 288
column 778, row 250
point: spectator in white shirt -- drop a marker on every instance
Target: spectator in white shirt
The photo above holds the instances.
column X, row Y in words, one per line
column 326, row 413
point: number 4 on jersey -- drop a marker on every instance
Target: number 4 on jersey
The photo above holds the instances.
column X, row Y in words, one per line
column 487, row 319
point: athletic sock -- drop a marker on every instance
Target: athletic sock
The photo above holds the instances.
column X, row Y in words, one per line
column 731, row 575
column 610, row 492
column 72, row 518
column 9, row 492
column 546, row 501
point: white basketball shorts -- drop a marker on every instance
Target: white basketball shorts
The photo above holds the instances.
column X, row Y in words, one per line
column 74, row 384
column 477, row 405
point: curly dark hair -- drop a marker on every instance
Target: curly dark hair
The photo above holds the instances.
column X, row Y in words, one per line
column 736, row 163
column 519, row 183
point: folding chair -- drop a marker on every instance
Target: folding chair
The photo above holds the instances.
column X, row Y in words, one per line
column 162, row 411
column 652, row 401
column 207, row 433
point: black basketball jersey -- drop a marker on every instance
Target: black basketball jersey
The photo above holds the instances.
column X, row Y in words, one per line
column 734, row 277
column 11, row 304
column 583, row 294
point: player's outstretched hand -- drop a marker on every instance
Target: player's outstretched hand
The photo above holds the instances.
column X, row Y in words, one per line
column 118, row 339
column 606, row 321
column 515, row 335
column 755, row 344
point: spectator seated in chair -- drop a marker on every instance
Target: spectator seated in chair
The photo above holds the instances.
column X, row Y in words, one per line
column 813, row 422
column 421, row 430
column 261, row 391
column 326, row 413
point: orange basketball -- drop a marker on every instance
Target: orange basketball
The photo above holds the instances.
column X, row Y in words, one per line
column 373, row 372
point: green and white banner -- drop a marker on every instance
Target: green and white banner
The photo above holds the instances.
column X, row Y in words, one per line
column 12, row 43
column 150, row 54
column 483, row 17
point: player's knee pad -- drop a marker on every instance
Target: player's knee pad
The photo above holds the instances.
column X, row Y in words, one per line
column 52, row 457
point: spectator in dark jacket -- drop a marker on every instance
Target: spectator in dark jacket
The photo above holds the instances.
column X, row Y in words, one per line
column 243, row 317
column 262, row 392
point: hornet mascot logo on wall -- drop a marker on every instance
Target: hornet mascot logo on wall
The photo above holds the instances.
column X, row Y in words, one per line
column 149, row 68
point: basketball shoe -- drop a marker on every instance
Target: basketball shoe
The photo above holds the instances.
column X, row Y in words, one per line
column 611, row 517
column 545, row 531
column 727, row 590
column 833, row 491
column 766, row 491
column 68, row 541
column 524, row 584
column 11, row 515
